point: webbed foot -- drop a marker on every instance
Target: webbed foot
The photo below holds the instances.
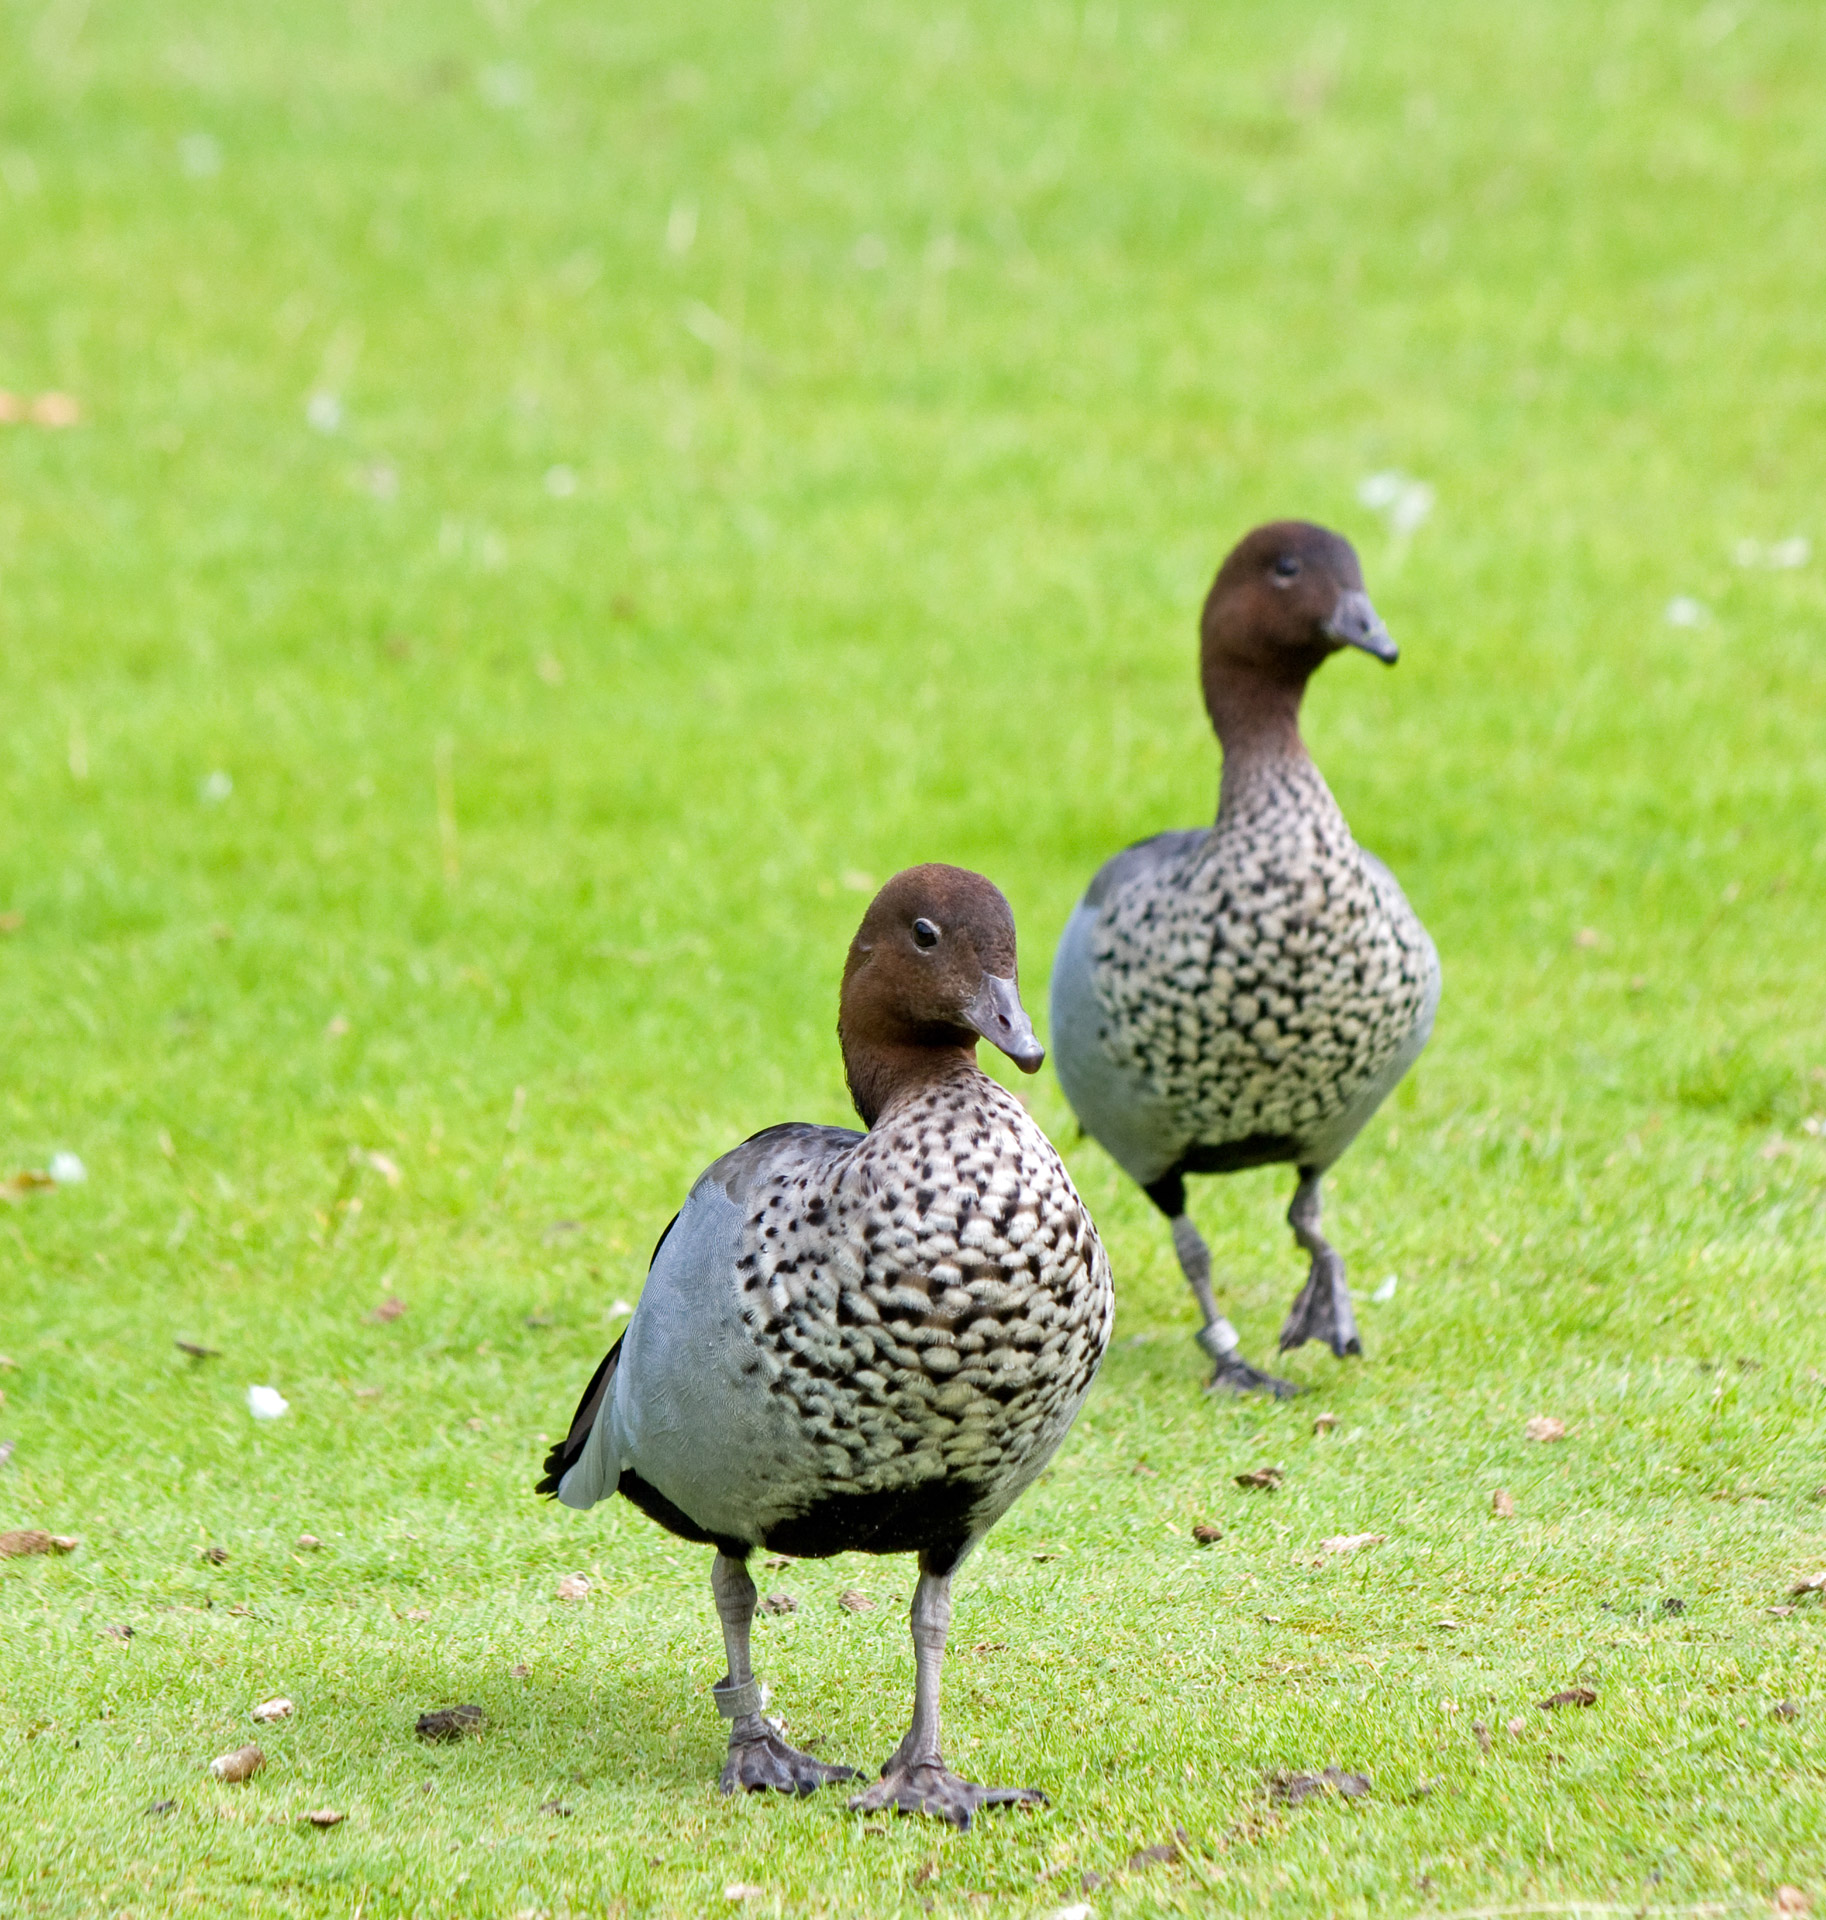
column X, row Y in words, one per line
column 929, row 1786
column 1323, row 1309
column 759, row 1761
column 1234, row 1374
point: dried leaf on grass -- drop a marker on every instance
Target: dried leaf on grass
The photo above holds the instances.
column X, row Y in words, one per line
column 240, row 1765
column 216, row 1556
column 1351, row 1542
column 1295, row 1789
column 159, row 1806
column 519, row 1671
column 853, row 1602
column 1544, row 1427
column 325, row 1817
column 117, row 1630
column 779, row 1603
column 1482, row 1733
column 28, row 1180
column 1791, row 1900
column 1267, row 1478
column 1324, row 1422
column 270, row 1710
column 389, row 1309
column 27, row 1540
column 1813, row 1583
column 1164, row 1853
column 743, row 1890
column 556, row 1807
column 1569, row 1697
column 1785, row 1710
column 197, row 1352
column 1518, row 1726
column 1502, row 1504
column 574, row 1586
column 451, row 1723
column 308, row 1543
column 1207, row 1535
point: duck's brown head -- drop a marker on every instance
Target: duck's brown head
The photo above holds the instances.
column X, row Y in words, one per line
column 930, row 972
column 1288, row 596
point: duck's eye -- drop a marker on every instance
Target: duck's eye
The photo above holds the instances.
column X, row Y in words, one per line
column 1286, row 568
column 925, row 934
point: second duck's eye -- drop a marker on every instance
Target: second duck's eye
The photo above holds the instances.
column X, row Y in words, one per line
column 925, row 934
column 1286, row 568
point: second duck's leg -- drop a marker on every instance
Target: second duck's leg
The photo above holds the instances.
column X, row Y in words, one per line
column 916, row 1779
column 758, row 1757
column 1217, row 1336
column 1322, row 1310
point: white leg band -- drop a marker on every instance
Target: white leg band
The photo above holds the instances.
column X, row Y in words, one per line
column 1220, row 1339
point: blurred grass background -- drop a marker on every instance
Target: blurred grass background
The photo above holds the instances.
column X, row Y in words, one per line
column 563, row 502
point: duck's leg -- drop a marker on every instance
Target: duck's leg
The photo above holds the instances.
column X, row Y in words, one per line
column 1217, row 1336
column 758, row 1757
column 916, row 1779
column 1322, row 1310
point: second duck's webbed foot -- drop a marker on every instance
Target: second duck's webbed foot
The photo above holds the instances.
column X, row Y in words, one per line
column 929, row 1786
column 1322, row 1310
column 1234, row 1374
column 760, row 1760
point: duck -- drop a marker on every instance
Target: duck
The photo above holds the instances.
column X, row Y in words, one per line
column 863, row 1341
column 1249, row 993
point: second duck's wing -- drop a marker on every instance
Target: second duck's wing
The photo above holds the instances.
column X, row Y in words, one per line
column 1141, row 1132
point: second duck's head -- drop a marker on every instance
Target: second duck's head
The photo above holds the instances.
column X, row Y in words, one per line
column 1287, row 596
column 930, row 972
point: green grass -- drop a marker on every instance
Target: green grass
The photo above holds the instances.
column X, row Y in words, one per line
column 907, row 372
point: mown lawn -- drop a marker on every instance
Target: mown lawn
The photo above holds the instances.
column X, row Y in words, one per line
column 563, row 500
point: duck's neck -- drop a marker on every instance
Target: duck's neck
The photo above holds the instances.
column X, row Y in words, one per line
column 1258, row 725
column 884, row 1074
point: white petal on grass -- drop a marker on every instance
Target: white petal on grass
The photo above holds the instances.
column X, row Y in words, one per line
column 619, row 1306
column 267, row 1403
column 200, row 155
column 323, row 411
column 561, row 482
column 1684, row 611
column 505, row 86
column 681, row 227
column 1403, row 501
column 1386, row 1292
column 1794, row 552
column 67, row 1170
column 706, row 324
column 216, row 788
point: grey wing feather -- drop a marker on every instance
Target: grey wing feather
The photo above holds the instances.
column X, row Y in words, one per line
column 689, row 1408
column 1141, row 1132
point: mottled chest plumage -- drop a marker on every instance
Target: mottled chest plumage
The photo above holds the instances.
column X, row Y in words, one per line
column 933, row 1302
column 1260, row 977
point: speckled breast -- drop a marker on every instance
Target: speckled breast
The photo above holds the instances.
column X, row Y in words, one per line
column 1264, row 978
column 937, row 1313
